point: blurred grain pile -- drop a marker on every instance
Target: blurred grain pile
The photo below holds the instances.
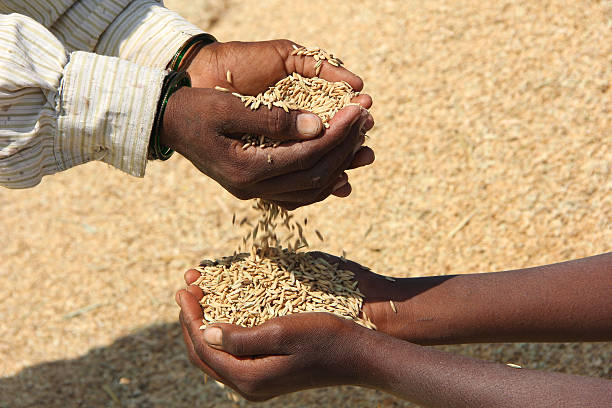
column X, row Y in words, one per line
column 493, row 129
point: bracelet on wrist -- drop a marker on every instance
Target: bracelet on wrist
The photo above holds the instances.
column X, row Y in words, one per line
column 173, row 82
column 200, row 39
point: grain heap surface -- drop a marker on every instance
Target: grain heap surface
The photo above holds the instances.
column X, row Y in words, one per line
column 499, row 107
column 249, row 289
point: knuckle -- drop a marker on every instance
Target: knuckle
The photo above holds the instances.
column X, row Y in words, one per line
column 279, row 335
column 235, row 346
column 303, row 158
column 198, row 352
column 278, row 122
column 317, row 181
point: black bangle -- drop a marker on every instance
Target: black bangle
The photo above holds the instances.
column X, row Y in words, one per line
column 203, row 38
column 173, row 82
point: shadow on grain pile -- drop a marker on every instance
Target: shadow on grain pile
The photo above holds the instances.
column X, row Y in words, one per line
column 149, row 368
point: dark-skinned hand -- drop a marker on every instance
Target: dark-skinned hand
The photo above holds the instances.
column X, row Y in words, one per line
column 205, row 126
column 280, row 356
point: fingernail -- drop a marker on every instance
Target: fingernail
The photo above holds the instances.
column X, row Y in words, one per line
column 308, row 124
column 213, row 336
column 340, row 184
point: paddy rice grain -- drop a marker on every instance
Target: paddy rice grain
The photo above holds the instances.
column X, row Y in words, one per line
column 267, row 276
column 249, row 289
column 296, row 92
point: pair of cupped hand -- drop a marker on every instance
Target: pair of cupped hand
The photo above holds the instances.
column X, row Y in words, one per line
column 204, row 125
column 288, row 353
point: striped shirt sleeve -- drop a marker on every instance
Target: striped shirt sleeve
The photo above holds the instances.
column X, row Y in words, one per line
column 141, row 31
column 146, row 33
column 60, row 109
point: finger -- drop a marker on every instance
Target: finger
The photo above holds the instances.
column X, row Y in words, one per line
column 191, row 318
column 191, row 276
column 337, row 74
column 292, row 157
column 364, row 100
column 343, row 191
column 340, row 181
column 340, row 188
column 369, row 124
column 196, row 291
column 307, row 67
column 193, row 357
column 326, row 192
column 241, row 341
column 275, row 123
column 302, row 197
column 318, row 173
column 364, row 157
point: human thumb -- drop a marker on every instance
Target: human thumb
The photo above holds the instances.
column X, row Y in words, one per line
column 274, row 123
column 240, row 341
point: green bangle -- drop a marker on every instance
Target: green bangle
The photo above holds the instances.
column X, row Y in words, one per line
column 203, row 38
column 173, row 82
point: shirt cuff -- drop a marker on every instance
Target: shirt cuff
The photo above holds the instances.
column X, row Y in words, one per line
column 106, row 112
column 146, row 33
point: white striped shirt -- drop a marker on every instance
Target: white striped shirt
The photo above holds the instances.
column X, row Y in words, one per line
column 80, row 81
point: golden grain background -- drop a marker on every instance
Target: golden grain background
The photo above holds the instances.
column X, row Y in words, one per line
column 494, row 151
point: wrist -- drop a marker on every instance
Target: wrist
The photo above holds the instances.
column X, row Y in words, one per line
column 404, row 309
column 188, row 50
column 369, row 364
column 352, row 353
column 170, row 131
column 158, row 149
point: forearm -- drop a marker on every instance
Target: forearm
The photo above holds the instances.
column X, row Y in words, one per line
column 438, row 379
column 570, row 301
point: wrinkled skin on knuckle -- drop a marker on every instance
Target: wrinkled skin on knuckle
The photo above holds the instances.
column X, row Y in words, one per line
column 199, row 352
column 304, row 157
column 278, row 122
column 221, row 106
column 283, row 44
column 235, row 346
column 240, row 173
